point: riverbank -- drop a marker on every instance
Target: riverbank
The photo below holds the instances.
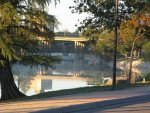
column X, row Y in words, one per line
column 79, row 91
column 31, row 105
column 85, row 90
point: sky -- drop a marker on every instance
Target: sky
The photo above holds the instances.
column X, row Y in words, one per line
column 62, row 12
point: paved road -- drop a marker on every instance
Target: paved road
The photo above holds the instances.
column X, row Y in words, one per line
column 137, row 104
column 85, row 100
column 136, row 108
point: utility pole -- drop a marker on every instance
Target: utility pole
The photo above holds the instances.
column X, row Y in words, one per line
column 115, row 44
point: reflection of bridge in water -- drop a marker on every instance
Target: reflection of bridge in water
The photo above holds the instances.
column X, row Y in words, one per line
column 73, row 50
column 78, row 59
column 42, row 83
column 61, row 77
column 79, row 47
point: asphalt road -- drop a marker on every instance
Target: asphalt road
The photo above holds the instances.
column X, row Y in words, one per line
column 92, row 102
column 136, row 104
column 136, row 108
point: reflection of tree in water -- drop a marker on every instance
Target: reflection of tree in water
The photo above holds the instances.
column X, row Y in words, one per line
column 23, row 77
column 24, row 83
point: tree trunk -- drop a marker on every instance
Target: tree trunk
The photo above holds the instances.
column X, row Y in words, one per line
column 9, row 89
column 131, row 59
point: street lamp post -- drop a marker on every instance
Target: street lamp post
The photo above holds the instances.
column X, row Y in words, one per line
column 115, row 44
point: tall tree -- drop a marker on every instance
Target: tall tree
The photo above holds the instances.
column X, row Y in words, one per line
column 134, row 31
column 22, row 24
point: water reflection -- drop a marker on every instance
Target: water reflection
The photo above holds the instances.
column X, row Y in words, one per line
column 79, row 68
column 51, row 83
column 36, row 80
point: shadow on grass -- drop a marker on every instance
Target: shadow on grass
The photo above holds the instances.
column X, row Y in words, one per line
column 77, row 91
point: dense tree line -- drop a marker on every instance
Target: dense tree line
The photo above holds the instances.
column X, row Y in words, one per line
column 133, row 25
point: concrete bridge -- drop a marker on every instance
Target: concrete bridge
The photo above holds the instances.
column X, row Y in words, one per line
column 72, row 49
column 63, row 46
column 79, row 47
column 73, row 39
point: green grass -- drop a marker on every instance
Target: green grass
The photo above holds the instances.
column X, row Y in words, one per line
column 80, row 90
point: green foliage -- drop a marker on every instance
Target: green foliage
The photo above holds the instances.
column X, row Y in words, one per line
column 102, row 12
column 22, row 24
column 146, row 49
column 135, row 30
column 44, row 61
column 90, row 33
column 147, row 76
column 105, row 43
column 99, row 11
column 102, row 18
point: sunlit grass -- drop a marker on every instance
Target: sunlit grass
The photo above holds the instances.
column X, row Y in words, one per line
column 81, row 90
column 86, row 90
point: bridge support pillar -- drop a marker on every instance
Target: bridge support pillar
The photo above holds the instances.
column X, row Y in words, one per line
column 79, row 58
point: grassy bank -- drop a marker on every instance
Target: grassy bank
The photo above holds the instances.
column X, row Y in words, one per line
column 81, row 90
column 84, row 90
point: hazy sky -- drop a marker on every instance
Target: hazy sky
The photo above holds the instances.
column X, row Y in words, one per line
column 64, row 15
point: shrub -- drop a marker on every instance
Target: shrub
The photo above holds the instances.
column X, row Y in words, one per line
column 147, row 76
column 146, row 49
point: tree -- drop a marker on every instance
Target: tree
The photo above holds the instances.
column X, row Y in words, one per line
column 135, row 31
column 105, row 43
column 102, row 16
column 101, row 13
column 22, row 24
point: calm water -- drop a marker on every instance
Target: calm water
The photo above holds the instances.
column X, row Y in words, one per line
column 76, row 70
column 36, row 80
column 67, row 75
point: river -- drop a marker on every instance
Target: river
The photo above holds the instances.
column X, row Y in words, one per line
column 36, row 79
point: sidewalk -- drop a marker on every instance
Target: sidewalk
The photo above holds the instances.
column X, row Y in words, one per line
column 68, row 100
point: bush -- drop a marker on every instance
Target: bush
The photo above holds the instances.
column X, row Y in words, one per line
column 146, row 49
column 122, row 81
column 147, row 76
